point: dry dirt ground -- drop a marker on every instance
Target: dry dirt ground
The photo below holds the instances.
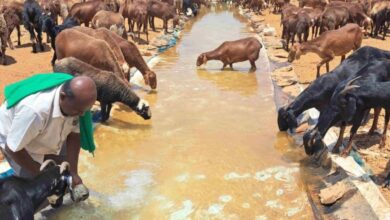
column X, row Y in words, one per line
column 368, row 146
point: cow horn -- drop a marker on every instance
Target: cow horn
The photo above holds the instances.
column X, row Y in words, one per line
column 349, row 86
column 46, row 163
column 64, row 166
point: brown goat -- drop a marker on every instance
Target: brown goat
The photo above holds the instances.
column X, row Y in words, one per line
column 163, row 11
column 3, row 37
column 13, row 16
column 134, row 59
column 136, row 13
column 330, row 44
column 104, row 34
column 85, row 11
column 334, row 18
column 73, row 43
column 230, row 52
column 12, row 20
column 356, row 13
column 111, row 21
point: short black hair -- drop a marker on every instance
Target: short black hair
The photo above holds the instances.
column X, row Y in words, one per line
column 66, row 88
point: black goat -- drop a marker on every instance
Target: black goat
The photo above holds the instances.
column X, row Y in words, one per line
column 20, row 198
column 49, row 26
column 110, row 88
column 320, row 91
column 360, row 95
column 32, row 14
column 375, row 72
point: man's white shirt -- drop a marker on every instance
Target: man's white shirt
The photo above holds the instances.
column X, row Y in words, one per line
column 36, row 124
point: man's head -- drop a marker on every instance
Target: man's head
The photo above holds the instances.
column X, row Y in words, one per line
column 77, row 96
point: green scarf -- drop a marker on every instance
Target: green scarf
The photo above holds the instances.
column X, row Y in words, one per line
column 15, row 92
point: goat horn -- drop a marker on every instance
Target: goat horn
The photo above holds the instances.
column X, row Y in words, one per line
column 349, row 86
column 64, row 166
column 46, row 163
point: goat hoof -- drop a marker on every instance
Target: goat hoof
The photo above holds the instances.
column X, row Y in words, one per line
column 345, row 153
column 336, row 150
column 386, row 184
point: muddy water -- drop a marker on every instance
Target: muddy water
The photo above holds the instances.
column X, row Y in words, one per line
column 211, row 149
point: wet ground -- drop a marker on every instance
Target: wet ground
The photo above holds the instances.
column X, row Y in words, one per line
column 211, row 149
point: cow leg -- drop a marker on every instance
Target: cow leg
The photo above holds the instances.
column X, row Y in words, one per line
column 383, row 139
column 231, row 65
column 224, row 65
column 374, row 126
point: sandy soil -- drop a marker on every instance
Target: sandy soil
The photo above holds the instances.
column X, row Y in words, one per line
column 305, row 70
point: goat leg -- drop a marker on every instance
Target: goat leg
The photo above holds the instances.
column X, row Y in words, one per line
column 326, row 60
column 355, row 126
column 383, row 139
column 253, row 65
column 18, row 30
column 10, row 44
column 387, row 181
column 40, row 40
column 336, row 148
column 342, row 59
column 374, row 126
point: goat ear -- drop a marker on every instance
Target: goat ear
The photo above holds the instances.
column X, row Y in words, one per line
column 46, row 164
column 64, row 167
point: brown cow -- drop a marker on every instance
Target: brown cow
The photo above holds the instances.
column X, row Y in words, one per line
column 73, row 43
column 230, row 52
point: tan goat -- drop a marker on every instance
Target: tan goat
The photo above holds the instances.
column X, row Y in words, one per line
column 329, row 44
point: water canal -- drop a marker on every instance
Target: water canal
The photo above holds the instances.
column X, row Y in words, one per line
column 211, row 149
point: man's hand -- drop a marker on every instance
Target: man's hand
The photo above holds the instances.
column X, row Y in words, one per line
column 76, row 179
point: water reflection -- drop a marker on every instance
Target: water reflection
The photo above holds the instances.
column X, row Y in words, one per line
column 243, row 83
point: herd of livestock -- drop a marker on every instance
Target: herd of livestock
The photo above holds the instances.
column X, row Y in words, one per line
column 361, row 82
column 343, row 96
